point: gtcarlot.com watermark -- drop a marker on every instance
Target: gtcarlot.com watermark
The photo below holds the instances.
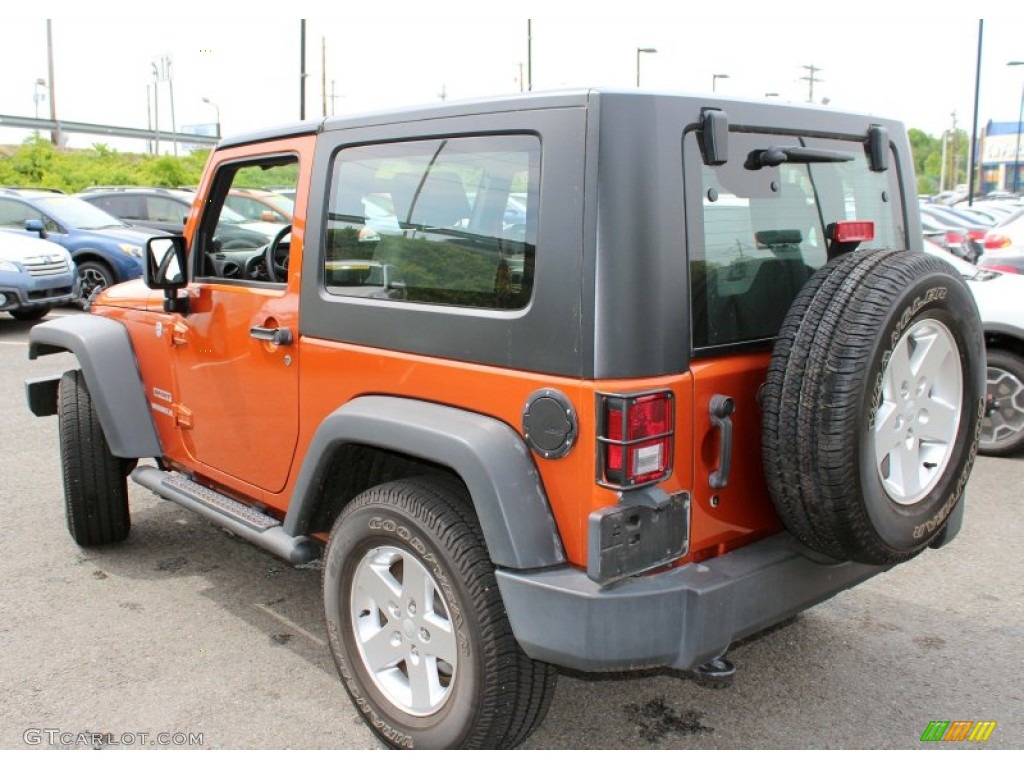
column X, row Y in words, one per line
column 61, row 739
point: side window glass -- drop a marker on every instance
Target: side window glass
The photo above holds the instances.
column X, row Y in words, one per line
column 233, row 245
column 165, row 209
column 762, row 232
column 14, row 214
column 123, row 207
column 449, row 221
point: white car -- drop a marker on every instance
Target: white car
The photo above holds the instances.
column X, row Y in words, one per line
column 35, row 275
column 999, row 296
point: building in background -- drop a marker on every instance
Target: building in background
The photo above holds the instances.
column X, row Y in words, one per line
column 1000, row 154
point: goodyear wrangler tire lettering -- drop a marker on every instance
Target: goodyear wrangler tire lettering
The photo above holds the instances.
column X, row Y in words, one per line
column 873, row 405
column 416, row 625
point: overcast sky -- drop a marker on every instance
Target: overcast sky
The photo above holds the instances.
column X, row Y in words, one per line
column 919, row 68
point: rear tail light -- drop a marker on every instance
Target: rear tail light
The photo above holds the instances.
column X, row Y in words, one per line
column 1002, row 268
column 977, row 235
column 954, row 238
column 994, row 241
column 634, row 438
column 853, row 231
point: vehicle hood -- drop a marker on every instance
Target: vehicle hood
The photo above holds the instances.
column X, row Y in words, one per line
column 132, row 294
column 16, row 248
column 134, row 235
column 997, row 294
column 999, row 300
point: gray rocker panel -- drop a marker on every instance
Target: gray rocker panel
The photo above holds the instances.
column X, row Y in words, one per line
column 489, row 456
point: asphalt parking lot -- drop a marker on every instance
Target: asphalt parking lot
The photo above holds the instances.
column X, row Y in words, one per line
column 187, row 636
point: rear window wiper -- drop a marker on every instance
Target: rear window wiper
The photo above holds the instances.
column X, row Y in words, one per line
column 773, row 156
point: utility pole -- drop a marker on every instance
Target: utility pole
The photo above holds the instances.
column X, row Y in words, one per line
column 942, row 164
column 170, row 88
column 302, row 70
column 975, row 143
column 162, row 73
column 811, row 80
column 323, row 73
column 952, row 154
column 529, row 55
column 156, row 108
column 55, row 136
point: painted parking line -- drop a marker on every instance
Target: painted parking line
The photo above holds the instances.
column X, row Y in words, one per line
column 291, row 624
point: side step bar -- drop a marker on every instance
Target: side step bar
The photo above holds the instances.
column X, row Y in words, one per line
column 247, row 522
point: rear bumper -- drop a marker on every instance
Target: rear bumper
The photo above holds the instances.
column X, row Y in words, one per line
column 680, row 618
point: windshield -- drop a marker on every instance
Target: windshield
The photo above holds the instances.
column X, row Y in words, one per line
column 75, row 213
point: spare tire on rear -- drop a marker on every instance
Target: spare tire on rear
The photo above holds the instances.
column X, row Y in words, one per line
column 873, row 405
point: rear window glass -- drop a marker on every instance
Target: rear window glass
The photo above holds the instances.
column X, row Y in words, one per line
column 447, row 221
column 762, row 232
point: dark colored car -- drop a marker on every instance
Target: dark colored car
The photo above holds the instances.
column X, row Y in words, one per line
column 105, row 250
column 953, row 238
column 166, row 210
column 976, row 230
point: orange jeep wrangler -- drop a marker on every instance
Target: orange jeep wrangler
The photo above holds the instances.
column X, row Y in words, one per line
column 602, row 380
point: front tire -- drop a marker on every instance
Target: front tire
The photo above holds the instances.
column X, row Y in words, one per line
column 34, row 313
column 95, row 490
column 94, row 277
column 417, row 628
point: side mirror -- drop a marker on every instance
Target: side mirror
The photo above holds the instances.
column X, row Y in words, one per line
column 268, row 216
column 36, row 225
column 166, row 268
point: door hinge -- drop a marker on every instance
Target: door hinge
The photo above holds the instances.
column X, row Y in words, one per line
column 182, row 416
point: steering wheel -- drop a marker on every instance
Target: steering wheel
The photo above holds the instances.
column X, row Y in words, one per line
column 277, row 272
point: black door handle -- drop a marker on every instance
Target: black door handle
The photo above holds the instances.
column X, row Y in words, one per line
column 280, row 336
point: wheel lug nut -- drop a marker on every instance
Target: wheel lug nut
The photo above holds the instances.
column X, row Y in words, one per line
column 412, row 608
column 424, row 636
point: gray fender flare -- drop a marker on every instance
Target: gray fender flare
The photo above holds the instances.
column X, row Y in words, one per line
column 489, row 456
column 105, row 354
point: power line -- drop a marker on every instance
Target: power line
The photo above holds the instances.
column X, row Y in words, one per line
column 811, row 80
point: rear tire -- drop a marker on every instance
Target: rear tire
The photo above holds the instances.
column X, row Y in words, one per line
column 417, row 627
column 95, row 490
column 1002, row 429
column 34, row 313
column 873, row 405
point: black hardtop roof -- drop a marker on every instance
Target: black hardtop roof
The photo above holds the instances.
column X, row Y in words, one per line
column 554, row 99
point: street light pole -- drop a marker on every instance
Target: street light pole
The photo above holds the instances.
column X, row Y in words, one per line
column 1020, row 116
column 638, row 52
column 217, row 108
column 38, row 97
column 715, row 79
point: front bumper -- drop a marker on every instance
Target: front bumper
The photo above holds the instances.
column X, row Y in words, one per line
column 23, row 291
column 680, row 618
